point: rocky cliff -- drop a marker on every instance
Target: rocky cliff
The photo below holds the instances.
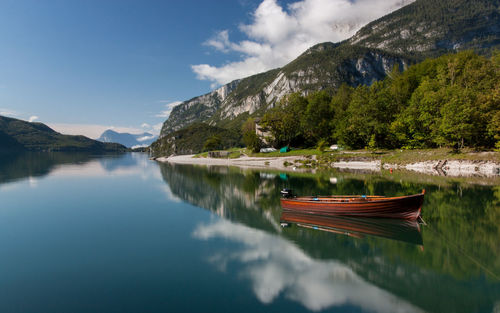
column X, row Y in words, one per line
column 197, row 109
column 323, row 66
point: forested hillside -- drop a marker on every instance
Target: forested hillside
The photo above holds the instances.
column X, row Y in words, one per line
column 451, row 101
column 21, row 135
column 195, row 138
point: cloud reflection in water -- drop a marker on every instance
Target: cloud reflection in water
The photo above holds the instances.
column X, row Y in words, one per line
column 276, row 266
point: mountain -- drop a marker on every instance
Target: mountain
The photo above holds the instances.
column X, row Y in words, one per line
column 431, row 28
column 18, row 135
column 126, row 139
column 198, row 108
column 419, row 30
column 323, row 66
column 8, row 143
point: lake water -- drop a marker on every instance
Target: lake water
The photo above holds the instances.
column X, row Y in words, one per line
column 81, row 233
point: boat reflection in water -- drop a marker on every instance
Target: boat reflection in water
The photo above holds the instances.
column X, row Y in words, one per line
column 401, row 230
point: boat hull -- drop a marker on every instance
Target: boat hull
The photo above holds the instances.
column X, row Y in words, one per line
column 407, row 207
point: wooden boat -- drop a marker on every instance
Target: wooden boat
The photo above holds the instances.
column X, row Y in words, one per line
column 405, row 207
column 401, row 230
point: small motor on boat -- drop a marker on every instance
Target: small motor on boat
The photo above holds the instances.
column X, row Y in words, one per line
column 286, row 193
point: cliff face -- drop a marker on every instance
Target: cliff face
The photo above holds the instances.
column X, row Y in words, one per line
column 197, row 109
column 323, row 66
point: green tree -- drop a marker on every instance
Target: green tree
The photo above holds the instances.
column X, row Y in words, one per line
column 339, row 104
column 284, row 120
column 492, row 101
column 415, row 126
column 250, row 138
column 315, row 122
column 352, row 129
column 212, row 143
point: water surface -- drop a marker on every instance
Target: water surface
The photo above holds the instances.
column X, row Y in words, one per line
column 82, row 233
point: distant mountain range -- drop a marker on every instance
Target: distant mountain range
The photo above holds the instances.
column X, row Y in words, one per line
column 17, row 135
column 126, row 139
column 422, row 29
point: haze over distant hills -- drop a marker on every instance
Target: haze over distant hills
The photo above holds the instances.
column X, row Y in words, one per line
column 17, row 135
column 424, row 28
column 127, row 139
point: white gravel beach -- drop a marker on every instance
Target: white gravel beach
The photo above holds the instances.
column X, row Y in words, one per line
column 245, row 161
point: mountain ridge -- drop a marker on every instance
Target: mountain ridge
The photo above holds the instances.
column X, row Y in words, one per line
column 18, row 135
column 431, row 28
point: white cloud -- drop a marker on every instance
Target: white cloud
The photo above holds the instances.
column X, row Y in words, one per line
column 153, row 129
column 168, row 108
column 278, row 35
column 220, row 41
column 144, row 138
column 8, row 112
column 157, row 128
column 33, row 118
column 139, row 146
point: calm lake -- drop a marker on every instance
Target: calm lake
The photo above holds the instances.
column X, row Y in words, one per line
column 82, row 233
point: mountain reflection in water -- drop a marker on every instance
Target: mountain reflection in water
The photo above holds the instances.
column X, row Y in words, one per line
column 35, row 165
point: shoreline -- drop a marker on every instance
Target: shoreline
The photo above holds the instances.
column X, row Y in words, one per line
column 244, row 162
column 452, row 168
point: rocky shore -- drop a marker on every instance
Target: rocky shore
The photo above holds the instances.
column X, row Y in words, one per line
column 451, row 168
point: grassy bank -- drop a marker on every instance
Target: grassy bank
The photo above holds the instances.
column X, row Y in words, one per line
column 399, row 157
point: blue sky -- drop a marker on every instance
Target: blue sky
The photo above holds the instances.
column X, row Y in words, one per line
column 83, row 66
